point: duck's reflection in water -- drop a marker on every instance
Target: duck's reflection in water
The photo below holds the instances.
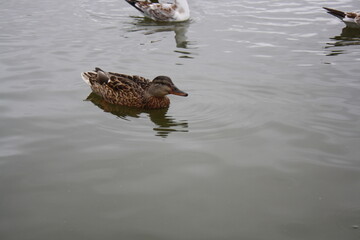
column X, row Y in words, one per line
column 348, row 37
column 165, row 124
column 149, row 27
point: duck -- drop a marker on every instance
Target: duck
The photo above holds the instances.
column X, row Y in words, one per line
column 131, row 90
column 351, row 19
column 178, row 11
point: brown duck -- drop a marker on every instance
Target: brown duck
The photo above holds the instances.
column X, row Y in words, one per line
column 131, row 90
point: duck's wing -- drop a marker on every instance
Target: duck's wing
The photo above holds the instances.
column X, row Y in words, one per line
column 162, row 12
column 123, row 82
column 155, row 11
column 115, row 81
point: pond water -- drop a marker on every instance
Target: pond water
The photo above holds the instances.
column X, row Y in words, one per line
column 266, row 145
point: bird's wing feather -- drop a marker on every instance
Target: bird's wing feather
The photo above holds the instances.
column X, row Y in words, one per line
column 123, row 82
column 161, row 12
column 156, row 11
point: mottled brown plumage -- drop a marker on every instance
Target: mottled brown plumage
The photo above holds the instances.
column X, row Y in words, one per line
column 131, row 90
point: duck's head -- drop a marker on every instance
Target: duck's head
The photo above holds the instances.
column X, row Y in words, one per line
column 162, row 85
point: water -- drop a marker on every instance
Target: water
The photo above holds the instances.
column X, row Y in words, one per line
column 266, row 146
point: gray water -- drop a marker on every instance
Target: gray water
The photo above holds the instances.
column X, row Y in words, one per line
column 266, row 146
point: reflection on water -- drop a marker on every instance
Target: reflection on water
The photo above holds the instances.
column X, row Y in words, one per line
column 148, row 27
column 348, row 37
column 165, row 123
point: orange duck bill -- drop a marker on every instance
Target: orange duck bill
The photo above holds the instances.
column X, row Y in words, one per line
column 178, row 92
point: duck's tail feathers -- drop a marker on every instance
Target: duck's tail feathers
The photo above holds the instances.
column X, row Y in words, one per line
column 336, row 13
column 86, row 77
column 98, row 75
column 133, row 3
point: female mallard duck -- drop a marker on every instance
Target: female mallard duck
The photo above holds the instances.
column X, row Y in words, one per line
column 132, row 91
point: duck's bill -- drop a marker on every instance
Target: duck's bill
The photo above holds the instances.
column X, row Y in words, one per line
column 179, row 92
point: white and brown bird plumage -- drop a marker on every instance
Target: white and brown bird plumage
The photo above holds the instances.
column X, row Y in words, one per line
column 165, row 12
column 351, row 19
column 131, row 90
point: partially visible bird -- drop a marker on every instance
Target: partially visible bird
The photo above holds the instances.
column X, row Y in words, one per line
column 131, row 90
column 351, row 19
column 166, row 12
